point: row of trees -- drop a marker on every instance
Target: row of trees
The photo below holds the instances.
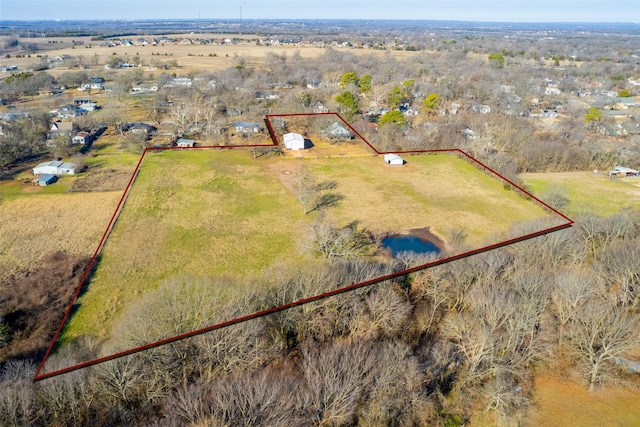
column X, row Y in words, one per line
column 426, row 349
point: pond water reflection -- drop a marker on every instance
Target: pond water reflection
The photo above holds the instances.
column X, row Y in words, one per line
column 409, row 243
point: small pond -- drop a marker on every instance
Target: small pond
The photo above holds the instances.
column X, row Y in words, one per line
column 409, row 243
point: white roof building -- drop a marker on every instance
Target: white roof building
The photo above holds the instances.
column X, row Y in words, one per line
column 393, row 159
column 55, row 167
column 182, row 142
column 294, row 141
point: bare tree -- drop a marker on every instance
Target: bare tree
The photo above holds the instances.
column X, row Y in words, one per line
column 600, row 333
column 338, row 377
column 619, row 267
column 571, row 291
column 383, row 313
column 396, row 396
column 306, row 189
column 18, row 403
column 265, row 397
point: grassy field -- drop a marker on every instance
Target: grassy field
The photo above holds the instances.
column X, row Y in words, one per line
column 201, row 212
column 438, row 191
column 559, row 403
column 221, row 212
column 189, row 56
column 587, row 192
column 35, row 221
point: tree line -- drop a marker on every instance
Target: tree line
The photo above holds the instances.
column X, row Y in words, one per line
column 425, row 349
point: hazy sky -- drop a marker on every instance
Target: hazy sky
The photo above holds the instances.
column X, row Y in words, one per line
column 465, row 10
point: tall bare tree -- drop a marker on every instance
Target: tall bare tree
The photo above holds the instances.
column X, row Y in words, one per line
column 599, row 334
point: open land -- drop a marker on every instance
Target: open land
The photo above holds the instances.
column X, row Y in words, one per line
column 215, row 212
column 587, row 192
column 224, row 213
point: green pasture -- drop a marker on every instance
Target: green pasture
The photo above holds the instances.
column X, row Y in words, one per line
column 587, row 192
column 224, row 213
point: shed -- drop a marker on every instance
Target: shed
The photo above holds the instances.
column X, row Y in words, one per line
column 47, row 179
column 182, row 142
column 393, row 159
column 621, row 171
column 295, row 141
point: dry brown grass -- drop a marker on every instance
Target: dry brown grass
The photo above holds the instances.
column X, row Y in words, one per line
column 438, row 191
column 563, row 403
column 36, row 224
column 192, row 56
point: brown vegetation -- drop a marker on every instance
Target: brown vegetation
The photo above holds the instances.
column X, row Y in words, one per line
column 33, row 301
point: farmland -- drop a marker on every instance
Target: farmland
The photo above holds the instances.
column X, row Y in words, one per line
column 211, row 213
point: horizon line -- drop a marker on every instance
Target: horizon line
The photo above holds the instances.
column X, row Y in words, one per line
column 317, row 19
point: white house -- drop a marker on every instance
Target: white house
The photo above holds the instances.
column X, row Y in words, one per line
column 182, row 142
column 246, row 127
column 481, row 108
column 294, row 141
column 80, row 138
column 337, row 131
column 393, row 159
column 55, row 167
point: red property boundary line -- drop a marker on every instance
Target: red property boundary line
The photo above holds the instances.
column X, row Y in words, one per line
column 38, row 376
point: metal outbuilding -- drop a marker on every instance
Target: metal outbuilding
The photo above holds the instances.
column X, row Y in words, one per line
column 47, row 179
column 55, row 167
column 295, row 141
column 393, row 159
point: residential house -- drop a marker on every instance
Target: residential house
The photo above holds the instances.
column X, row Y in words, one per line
column 621, row 172
column 139, row 128
column 314, row 84
column 336, row 131
column 247, row 127
column 263, row 96
column 182, row 142
column 319, row 107
column 85, row 103
column 81, row 138
column 552, row 89
column 68, row 111
column 481, row 108
column 59, row 129
column 469, row 134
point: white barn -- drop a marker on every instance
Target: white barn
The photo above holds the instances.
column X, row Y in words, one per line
column 294, row 141
column 393, row 159
column 55, row 167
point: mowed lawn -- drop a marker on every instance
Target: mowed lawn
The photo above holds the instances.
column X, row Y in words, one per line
column 587, row 192
column 221, row 212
